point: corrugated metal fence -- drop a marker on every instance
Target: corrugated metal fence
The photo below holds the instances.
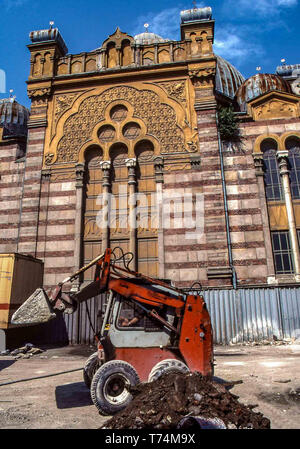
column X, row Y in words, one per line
column 253, row 315
column 243, row 315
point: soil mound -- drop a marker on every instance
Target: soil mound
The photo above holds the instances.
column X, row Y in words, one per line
column 162, row 404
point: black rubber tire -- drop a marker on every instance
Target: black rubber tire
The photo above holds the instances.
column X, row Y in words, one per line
column 167, row 367
column 113, row 374
column 90, row 367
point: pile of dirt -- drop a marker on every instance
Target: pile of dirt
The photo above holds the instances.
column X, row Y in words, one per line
column 162, row 404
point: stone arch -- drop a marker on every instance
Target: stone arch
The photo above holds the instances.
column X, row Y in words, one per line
column 92, row 232
column 126, row 53
column 112, row 55
column 91, row 152
column 260, row 139
column 284, row 137
column 272, row 179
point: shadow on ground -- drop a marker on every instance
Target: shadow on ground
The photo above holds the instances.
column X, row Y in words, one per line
column 6, row 364
column 72, row 395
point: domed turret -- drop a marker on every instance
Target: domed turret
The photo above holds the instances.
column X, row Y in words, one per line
column 260, row 84
column 13, row 118
column 228, row 78
column 149, row 38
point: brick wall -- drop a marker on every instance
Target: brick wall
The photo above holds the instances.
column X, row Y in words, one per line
column 11, row 185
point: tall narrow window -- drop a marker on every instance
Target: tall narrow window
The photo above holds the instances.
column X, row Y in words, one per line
column 92, row 232
column 282, row 252
column 293, row 145
column 147, row 213
column 272, row 174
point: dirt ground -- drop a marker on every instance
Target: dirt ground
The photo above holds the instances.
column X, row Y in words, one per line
column 270, row 375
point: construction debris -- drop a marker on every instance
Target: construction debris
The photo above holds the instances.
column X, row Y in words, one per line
column 36, row 310
column 275, row 342
column 164, row 403
column 25, row 352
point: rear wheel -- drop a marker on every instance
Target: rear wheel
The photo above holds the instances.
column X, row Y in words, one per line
column 90, row 367
column 166, row 367
column 110, row 386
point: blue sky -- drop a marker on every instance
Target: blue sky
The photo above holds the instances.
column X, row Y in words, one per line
column 249, row 33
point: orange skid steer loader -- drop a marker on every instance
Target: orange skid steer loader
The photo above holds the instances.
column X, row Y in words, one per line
column 148, row 329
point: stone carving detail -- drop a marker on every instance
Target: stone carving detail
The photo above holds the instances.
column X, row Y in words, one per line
column 175, row 89
column 37, row 93
column 275, row 109
column 91, row 228
column 159, row 118
column 62, row 177
column 202, row 76
column 62, row 104
column 49, row 158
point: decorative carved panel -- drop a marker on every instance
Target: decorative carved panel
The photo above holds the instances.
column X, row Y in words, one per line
column 275, row 109
column 160, row 119
column 175, row 89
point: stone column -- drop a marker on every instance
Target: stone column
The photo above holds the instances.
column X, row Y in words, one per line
column 131, row 165
column 259, row 172
column 43, row 216
column 79, row 169
column 119, row 52
column 102, row 58
column 282, row 157
column 155, row 53
column 159, row 179
column 137, row 56
column 106, row 185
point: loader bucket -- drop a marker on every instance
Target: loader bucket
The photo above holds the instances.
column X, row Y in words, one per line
column 35, row 310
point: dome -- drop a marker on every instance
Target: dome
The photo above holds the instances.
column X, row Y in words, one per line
column 13, row 117
column 260, row 84
column 149, row 38
column 228, row 78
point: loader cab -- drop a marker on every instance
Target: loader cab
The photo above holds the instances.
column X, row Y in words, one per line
column 129, row 326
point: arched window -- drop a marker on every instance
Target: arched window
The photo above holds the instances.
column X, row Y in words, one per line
column 93, row 188
column 293, row 145
column 119, row 219
column 272, row 174
column 147, row 213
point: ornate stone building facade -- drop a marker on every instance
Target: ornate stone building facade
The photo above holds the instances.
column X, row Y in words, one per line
column 137, row 118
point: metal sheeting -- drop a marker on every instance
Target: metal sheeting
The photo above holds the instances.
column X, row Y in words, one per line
column 290, row 312
column 238, row 316
column 78, row 324
column 253, row 315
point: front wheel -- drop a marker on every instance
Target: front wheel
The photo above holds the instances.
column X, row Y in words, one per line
column 110, row 386
column 90, row 367
column 167, row 367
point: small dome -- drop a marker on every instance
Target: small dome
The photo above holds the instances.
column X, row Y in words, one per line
column 149, row 38
column 260, row 84
column 228, row 78
column 13, row 117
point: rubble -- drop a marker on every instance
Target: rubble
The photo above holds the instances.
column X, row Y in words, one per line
column 164, row 403
column 35, row 310
column 275, row 342
column 25, row 352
